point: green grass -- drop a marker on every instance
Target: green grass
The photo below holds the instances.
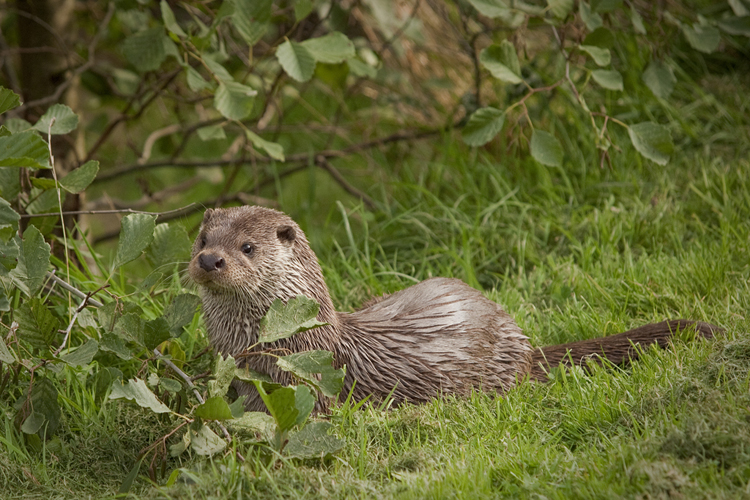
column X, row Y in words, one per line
column 571, row 254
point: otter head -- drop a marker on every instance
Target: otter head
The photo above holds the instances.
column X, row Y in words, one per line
column 254, row 255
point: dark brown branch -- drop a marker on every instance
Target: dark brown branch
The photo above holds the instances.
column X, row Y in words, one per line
column 326, row 165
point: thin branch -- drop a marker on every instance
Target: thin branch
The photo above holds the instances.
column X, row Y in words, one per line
column 326, row 165
column 178, row 211
column 75, row 291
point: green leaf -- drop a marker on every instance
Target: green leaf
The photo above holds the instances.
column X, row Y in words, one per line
column 211, row 132
column 136, row 390
column 234, row 100
column 250, row 18
column 8, row 100
column 703, row 38
column 499, row 9
column 296, row 60
column 24, row 149
column 130, row 327
column 127, row 483
column 274, row 149
column 736, row 25
column 80, row 178
column 44, row 402
column 136, row 234
column 43, row 184
column 740, row 7
column 8, row 219
column 195, row 81
column 302, row 9
column 483, row 125
column 205, row 442
column 155, row 332
column 256, row 421
column 33, row 423
column 659, row 78
column 605, row 6
column 601, row 57
column 637, row 21
column 332, row 48
column 608, row 78
column 561, row 8
column 64, row 120
column 219, row 71
column 304, row 402
column 6, row 356
column 116, row 345
column 591, row 19
column 238, row 407
column 83, row 354
column 171, row 245
column 224, row 370
column 546, row 149
column 180, row 312
column 173, row 386
column 169, row 20
column 305, row 365
column 281, row 405
column 33, row 262
column 360, row 68
column 214, row 408
column 652, row 141
column 282, row 321
column 502, row 61
column 145, row 49
column 313, row 441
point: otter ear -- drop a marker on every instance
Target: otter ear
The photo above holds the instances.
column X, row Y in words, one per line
column 207, row 215
column 286, row 234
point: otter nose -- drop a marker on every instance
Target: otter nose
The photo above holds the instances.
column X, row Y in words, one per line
column 210, row 262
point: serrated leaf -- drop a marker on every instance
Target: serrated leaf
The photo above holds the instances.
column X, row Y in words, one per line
column 313, row 441
column 145, row 49
column 80, row 178
column 24, row 149
column 44, row 402
column 561, row 8
column 211, row 132
column 502, row 61
column 296, row 60
column 8, row 100
column 546, row 149
column 171, row 245
column 591, row 19
column 33, row 262
column 5, row 355
column 608, row 78
column 274, row 149
column 136, row 390
column 304, row 401
column 234, row 100
column 736, row 25
column 180, row 312
column 250, row 18
column 169, row 20
column 483, row 125
column 703, row 38
column 130, row 327
column 652, row 141
column 332, row 48
column 214, row 408
column 65, row 120
column 224, row 371
column 282, row 321
column 601, row 57
column 136, row 234
column 659, row 78
column 637, row 21
column 8, row 217
column 116, row 345
column 83, row 354
column 255, row 421
column 306, row 365
column 155, row 332
column 205, row 442
column 218, row 70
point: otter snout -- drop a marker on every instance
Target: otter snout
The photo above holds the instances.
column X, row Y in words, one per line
column 210, row 262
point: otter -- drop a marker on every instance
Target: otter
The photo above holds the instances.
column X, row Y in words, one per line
column 437, row 337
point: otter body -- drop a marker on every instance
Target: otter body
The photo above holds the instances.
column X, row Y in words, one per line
column 437, row 337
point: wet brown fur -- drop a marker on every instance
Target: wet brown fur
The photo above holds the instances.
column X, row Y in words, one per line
column 437, row 337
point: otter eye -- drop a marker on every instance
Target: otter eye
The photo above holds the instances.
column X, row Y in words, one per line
column 248, row 249
column 203, row 242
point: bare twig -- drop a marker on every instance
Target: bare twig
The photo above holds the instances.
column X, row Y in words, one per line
column 326, row 165
column 75, row 291
column 178, row 211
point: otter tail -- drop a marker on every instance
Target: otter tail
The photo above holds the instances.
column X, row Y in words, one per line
column 618, row 349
